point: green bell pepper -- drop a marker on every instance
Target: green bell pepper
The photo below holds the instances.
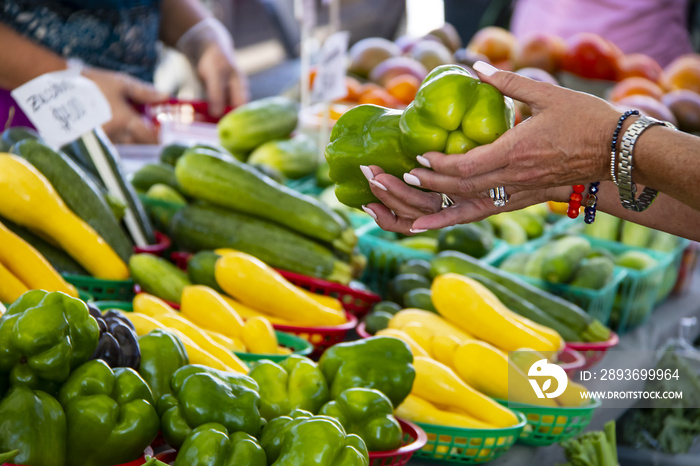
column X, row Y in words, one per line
column 33, row 422
column 382, row 363
column 453, row 113
column 365, row 135
column 7, row 456
column 202, row 395
column 211, row 445
column 45, row 335
column 109, row 415
column 162, row 353
column 369, row 414
column 303, row 438
column 294, row 383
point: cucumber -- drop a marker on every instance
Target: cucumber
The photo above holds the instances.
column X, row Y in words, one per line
column 419, row 298
column 248, row 126
column 605, row 227
column 154, row 173
column 170, row 153
column 515, row 263
column 533, row 267
column 200, row 269
column 294, row 158
column 403, row 283
column 563, row 258
column 12, row 136
column 468, row 238
column 199, row 226
column 158, row 277
column 559, row 309
column 633, row 234
column 235, row 185
column 80, row 195
column 532, row 224
column 664, row 242
column 524, row 308
column 594, row 273
column 61, row 261
column 512, row 232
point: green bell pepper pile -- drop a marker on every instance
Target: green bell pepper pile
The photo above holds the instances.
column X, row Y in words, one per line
column 110, row 416
column 161, row 355
column 294, row 383
column 452, row 113
column 369, row 414
column 45, row 335
column 202, row 395
column 303, row 438
column 33, row 423
column 211, row 445
column 382, row 363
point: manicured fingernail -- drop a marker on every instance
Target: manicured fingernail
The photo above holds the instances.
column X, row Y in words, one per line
column 369, row 211
column 423, row 161
column 484, row 68
column 378, row 185
column 417, row 230
column 367, row 172
column 411, row 179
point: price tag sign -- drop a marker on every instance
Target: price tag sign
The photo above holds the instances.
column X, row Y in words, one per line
column 329, row 84
column 63, row 105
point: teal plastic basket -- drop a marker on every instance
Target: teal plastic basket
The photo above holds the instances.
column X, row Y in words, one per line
column 597, row 303
column 305, row 185
column 384, row 255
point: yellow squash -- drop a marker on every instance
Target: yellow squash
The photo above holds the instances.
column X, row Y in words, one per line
column 151, row 306
column 415, row 348
column 474, row 308
column 438, row 384
column 11, row 287
column 443, row 348
column 231, row 344
column 417, row 409
column 255, row 284
column 28, row 199
column 29, row 266
column 144, row 324
column 207, row 308
column 429, row 320
column 246, row 312
column 259, row 336
column 545, row 332
column 420, row 335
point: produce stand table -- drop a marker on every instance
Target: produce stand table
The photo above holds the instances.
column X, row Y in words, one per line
column 663, row 325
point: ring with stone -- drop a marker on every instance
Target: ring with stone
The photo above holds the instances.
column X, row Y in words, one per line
column 499, row 196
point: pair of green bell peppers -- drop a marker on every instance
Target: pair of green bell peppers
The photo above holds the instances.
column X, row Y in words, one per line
column 452, row 113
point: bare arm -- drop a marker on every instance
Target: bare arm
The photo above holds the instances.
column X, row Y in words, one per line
column 177, row 16
column 23, row 60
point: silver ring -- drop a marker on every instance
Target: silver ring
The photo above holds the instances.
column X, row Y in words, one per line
column 499, row 196
column 446, row 201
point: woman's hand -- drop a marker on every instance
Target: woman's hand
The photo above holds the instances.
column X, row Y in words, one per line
column 225, row 83
column 122, row 91
column 565, row 142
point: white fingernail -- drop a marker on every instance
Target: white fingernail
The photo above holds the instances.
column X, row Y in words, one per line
column 417, row 230
column 367, row 172
column 423, row 161
column 411, row 179
column 378, row 185
column 369, row 211
column 484, row 68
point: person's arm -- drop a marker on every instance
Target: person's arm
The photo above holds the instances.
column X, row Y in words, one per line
column 187, row 26
column 23, row 60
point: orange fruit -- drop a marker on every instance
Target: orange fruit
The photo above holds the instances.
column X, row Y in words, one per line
column 403, row 87
column 635, row 85
column 379, row 97
column 354, row 89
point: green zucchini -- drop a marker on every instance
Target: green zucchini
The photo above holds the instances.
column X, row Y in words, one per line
column 294, row 157
column 198, row 227
column 200, row 269
column 515, row 263
column 158, row 277
column 80, row 195
column 172, row 152
column 563, row 258
column 61, row 261
column 524, row 308
column 12, row 136
column 154, row 173
column 232, row 184
column 563, row 311
column 594, row 273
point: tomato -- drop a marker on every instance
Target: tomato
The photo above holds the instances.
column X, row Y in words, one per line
column 590, row 56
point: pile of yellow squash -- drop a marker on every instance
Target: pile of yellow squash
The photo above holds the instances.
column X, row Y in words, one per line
column 462, row 357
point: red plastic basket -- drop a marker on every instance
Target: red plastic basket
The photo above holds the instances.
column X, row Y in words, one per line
column 137, row 462
column 414, row 438
column 356, row 302
column 183, row 111
column 362, row 331
column 594, row 352
column 162, row 244
column 571, row 361
column 321, row 337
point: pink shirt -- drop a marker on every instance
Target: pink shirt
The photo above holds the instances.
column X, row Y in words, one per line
column 653, row 27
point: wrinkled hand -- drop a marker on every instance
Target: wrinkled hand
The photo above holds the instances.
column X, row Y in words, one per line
column 225, row 83
column 127, row 125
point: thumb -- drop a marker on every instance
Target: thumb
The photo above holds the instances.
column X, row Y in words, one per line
column 513, row 85
column 141, row 92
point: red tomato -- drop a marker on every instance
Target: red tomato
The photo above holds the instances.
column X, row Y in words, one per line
column 590, row 56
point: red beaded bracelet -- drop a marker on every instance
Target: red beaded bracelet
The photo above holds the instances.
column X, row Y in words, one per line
column 575, row 201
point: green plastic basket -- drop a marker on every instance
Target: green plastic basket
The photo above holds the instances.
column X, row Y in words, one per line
column 547, row 426
column 384, row 255
column 298, row 346
column 468, row 446
column 670, row 275
column 103, row 290
column 597, row 303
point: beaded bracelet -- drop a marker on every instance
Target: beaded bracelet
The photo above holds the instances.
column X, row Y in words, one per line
column 591, row 202
column 575, row 201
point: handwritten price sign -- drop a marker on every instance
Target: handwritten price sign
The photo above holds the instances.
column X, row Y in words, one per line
column 63, row 105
